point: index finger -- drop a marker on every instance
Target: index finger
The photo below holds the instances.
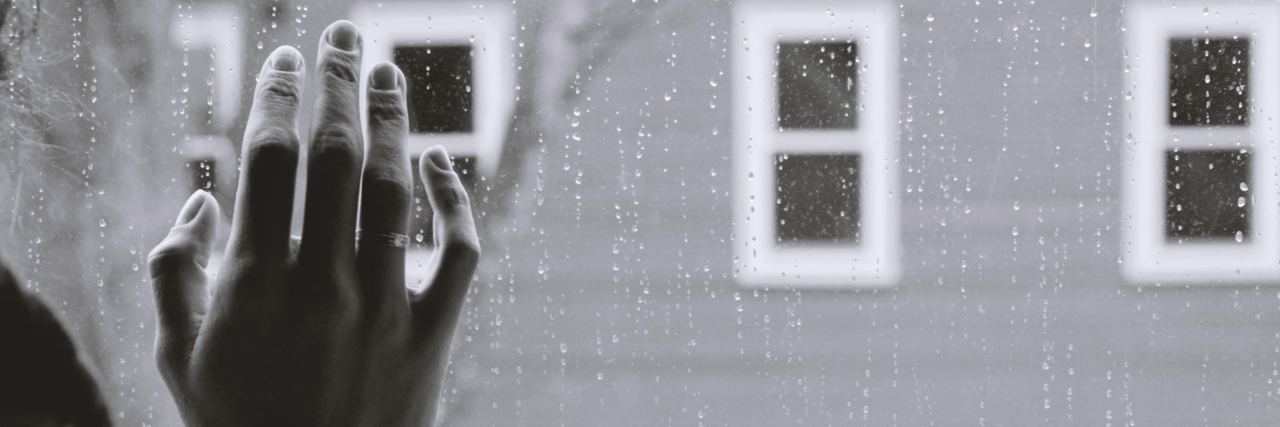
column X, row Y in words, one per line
column 264, row 199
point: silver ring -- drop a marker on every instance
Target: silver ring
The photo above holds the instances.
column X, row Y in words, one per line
column 395, row 240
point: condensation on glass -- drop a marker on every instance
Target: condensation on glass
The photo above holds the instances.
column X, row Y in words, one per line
column 439, row 102
column 817, row 85
column 439, row 86
column 1206, row 195
column 1208, row 81
column 198, row 97
column 817, row 198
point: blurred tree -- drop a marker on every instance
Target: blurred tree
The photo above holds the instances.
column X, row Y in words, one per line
column 563, row 45
column 567, row 42
column 83, row 144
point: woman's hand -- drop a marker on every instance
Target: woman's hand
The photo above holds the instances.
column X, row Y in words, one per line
column 316, row 331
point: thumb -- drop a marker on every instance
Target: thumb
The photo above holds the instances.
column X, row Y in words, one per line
column 177, row 272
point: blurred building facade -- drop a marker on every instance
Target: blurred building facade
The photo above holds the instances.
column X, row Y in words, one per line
column 778, row 213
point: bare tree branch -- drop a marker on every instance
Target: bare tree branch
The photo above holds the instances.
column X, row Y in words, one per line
column 613, row 26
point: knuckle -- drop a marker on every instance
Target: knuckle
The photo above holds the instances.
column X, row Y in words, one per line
column 340, row 66
column 336, row 136
column 387, row 121
column 279, row 89
column 386, row 109
column 273, row 142
column 448, row 192
column 168, row 362
column 463, row 249
column 339, row 96
column 330, row 294
column 336, row 144
column 387, row 187
column 343, row 306
column 379, row 316
column 170, row 355
column 169, row 253
column 254, row 264
column 172, row 359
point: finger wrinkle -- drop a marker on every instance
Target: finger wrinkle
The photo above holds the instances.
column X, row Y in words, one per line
column 385, row 150
column 385, row 112
column 385, row 98
column 387, row 122
column 284, row 94
column 339, row 135
column 282, row 83
column 341, row 97
column 385, row 105
column 447, row 197
column 339, row 102
column 341, row 65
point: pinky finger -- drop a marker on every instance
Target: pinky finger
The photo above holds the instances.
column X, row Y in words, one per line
column 457, row 246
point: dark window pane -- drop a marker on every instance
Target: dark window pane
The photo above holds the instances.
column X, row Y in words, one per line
column 817, row 85
column 1208, row 82
column 439, row 79
column 818, row 198
column 202, row 174
column 1206, row 195
column 420, row 221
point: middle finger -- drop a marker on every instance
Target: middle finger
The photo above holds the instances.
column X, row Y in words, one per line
column 333, row 169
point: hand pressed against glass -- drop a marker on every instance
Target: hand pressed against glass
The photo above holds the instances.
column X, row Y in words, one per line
column 316, row 332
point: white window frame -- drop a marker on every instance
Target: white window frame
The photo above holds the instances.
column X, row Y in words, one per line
column 206, row 27
column 1150, row 258
column 213, row 27
column 196, row 148
column 489, row 27
column 761, row 262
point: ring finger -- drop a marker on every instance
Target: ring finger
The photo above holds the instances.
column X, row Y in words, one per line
column 385, row 194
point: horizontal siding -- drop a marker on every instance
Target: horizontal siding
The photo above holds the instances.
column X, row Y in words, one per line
column 986, row 327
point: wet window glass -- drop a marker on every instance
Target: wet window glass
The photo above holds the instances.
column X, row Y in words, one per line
column 204, row 174
column 198, row 91
column 439, row 78
column 1209, row 81
column 1207, row 195
column 817, row 85
column 722, row 213
column 817, row 198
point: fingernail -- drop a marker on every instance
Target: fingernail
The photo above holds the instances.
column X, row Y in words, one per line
column 285, row 58
column 343, row 35
column 384, row 77
column 439, row 158
column 192, row 208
